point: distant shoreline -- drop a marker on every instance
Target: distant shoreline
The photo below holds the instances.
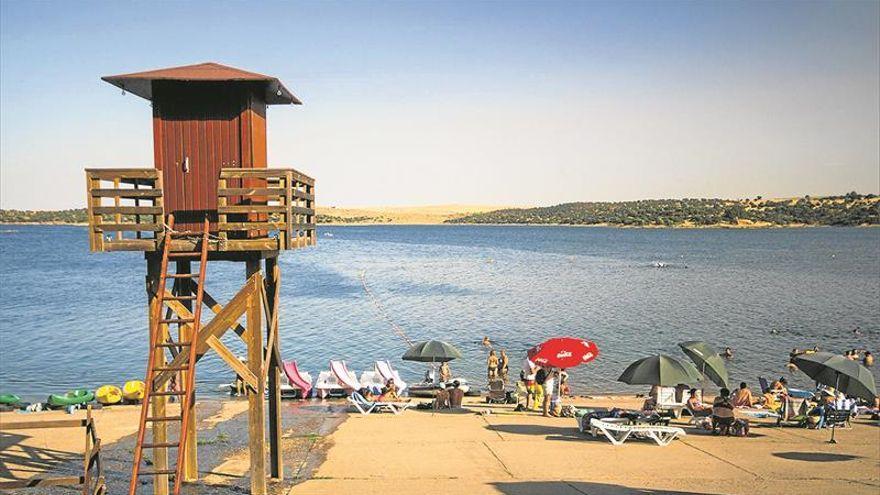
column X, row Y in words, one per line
column 480, row 224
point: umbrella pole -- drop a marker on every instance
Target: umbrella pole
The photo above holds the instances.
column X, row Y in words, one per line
column 836, row 384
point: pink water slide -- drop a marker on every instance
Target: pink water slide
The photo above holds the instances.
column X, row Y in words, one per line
column 296, row 378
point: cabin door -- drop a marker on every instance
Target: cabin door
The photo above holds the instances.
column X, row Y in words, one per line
column 197, row 134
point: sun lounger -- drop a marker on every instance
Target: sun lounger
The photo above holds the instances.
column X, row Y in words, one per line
column 345, row 377
column 372, row 380
column 327, row 384
column 298, row 380
column 365, row 406
column 387, row 372
column 618, row 432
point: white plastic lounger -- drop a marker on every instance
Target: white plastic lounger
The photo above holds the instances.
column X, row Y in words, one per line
column 366, row 407
column 387, row 372
column 618, row 433
column 345, row 377
column 326, row 384
column 372, row 379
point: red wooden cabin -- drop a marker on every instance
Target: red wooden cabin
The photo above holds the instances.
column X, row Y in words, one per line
column 209, row 137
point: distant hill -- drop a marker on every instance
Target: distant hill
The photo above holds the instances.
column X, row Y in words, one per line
column 851, row 209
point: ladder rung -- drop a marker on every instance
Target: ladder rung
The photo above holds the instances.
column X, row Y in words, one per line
column 171, row 368
column 186, row 233
column 161, row 419
column 162, row 445
column 176, row 320
column 168, row 392
column 156, row 471
column 179, row 298
column 173, row 344
column 184, row 254
column 182, row 275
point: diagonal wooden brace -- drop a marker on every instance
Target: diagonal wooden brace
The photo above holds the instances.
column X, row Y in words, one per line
column 225, row 319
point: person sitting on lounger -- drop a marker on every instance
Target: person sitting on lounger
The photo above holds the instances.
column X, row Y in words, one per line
column 456, row 395
column 743, row 396
column 696, row 406
column 722, row 413
column 389, row 393
column 779, row 386
column 441, row 399
column 445, row 372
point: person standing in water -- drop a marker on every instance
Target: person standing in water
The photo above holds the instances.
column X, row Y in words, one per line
column 504, row 365
column 492, row 366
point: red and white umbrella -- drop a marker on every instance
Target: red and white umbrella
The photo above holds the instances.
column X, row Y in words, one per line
column 564, row 352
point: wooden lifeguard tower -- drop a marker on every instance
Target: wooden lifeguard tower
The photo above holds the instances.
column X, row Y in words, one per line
column 210, row 197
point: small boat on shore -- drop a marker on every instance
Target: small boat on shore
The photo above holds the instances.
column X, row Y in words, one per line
column 108, row 395
column 73, row 398
column 133, row 390
column 9, row 399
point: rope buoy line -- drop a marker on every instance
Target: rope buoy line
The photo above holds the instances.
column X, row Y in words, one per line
column 383, row 313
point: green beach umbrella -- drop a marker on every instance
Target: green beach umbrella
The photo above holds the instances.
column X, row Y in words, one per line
column 431, row 351
column 836, row 371
column 662, row 370
column 708, row 361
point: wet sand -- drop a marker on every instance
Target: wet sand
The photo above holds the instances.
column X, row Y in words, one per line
column 222, row 438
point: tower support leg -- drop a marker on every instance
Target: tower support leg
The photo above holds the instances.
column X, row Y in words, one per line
column 190, row 457
column 157, row 403
column 273, row 281
column 256, row 399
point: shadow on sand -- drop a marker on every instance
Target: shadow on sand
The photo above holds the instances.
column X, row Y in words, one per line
column 815, row 456
column 578, row 488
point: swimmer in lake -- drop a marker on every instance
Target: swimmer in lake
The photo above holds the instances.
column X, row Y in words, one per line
column 728, row 353
column 487, row 343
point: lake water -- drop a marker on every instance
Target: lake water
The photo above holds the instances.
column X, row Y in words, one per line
column 69, row 318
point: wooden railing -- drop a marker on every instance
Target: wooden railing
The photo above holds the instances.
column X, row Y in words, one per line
column 257, row 210
column 255, row 203
column 120, row 201
column 90, row 483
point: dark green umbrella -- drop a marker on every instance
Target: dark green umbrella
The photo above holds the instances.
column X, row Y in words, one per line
column 662, row 370
column 431, row 351
column 708, row 361
column 836, row 371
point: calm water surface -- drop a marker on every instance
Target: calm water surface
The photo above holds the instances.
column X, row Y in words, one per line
column 70, row 318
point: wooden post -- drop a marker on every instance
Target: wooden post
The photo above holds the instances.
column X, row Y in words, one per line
column 158, row 402
column 190, row 460
column 273, row 281
column 256, row 399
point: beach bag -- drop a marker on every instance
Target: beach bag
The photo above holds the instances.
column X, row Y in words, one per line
column 541, row 376
column 740, row 428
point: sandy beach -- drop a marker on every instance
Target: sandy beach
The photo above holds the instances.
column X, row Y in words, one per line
column 481, row 449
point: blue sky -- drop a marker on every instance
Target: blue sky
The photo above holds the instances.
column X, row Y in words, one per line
column 468, row 102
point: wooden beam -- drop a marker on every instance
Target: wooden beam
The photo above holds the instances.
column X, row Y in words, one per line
column 225, row 319
column 158, row 403
column 237, row 366
column 256, row 402
column 272, row 294
column 126, row 193
column 185, row 287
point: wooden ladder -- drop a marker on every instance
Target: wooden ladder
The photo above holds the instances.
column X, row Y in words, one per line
column 162, row 341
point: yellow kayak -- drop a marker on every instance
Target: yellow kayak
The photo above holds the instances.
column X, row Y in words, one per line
column 133, row 390
column 108, row 394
